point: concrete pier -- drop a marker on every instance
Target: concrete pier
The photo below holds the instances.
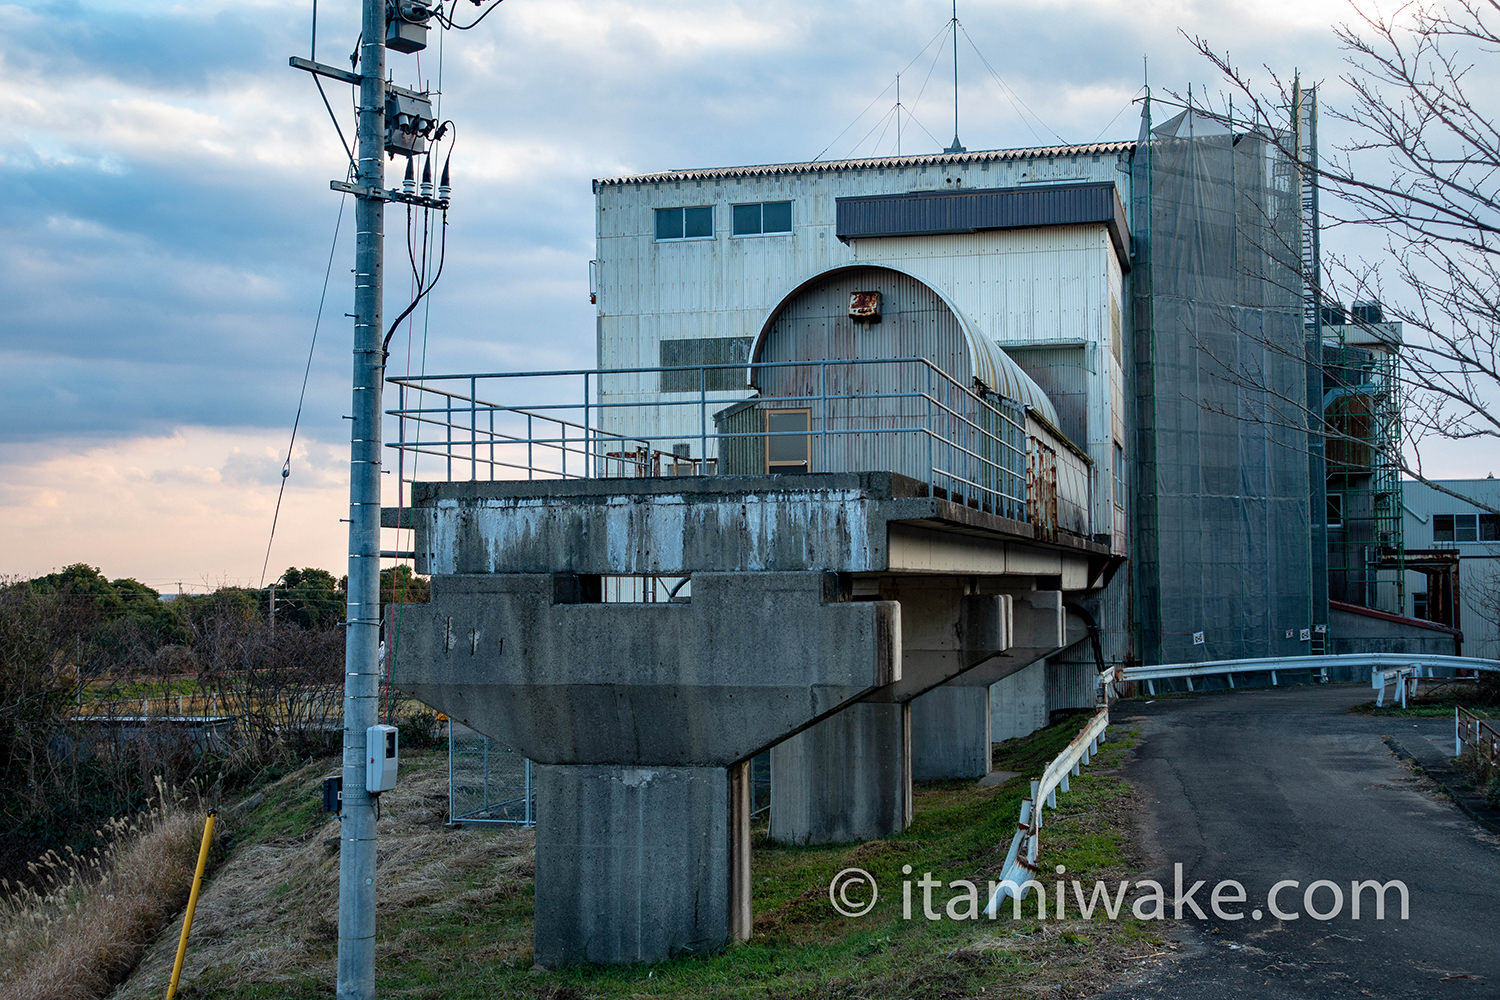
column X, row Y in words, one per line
column 640, row 861
column 816, row 608
column 846, row 778
column 952, row 725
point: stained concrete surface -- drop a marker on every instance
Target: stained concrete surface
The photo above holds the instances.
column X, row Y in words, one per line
column 1260, row 786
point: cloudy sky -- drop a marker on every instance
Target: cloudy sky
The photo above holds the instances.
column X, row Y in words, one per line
column 166, row 219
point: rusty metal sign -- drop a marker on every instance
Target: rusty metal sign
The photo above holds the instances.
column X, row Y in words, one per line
column 864, row 306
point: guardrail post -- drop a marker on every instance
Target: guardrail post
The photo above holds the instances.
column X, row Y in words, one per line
column 473, row 428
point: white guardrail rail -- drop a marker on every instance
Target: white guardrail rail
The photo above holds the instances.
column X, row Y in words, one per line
column 1385, row 668
column 1018, row 876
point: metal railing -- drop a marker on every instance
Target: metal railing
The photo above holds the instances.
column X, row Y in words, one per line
column 1480, row 735
column 1018, row 876
column 1386, row 664
column 900, row 415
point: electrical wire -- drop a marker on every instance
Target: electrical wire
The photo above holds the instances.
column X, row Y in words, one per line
column 286, row 467
column 1010, row 95
column 448, row 22
column 395, row 632
column 941, row 34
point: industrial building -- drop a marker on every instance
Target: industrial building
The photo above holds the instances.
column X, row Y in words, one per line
column 880, row 461
column 1453, row 559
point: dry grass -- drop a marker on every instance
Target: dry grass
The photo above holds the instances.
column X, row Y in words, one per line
column 81, row 923
column 268, row 916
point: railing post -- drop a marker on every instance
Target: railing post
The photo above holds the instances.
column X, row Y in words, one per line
column 530, row 461
column 473, row 428
column 588, row 456
column 823, row 408
column 448, row 430
column 703, row 416
column 931, row 465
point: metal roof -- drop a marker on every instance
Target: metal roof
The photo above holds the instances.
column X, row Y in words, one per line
column 931, row 213
column 999, row 371
column 875, row 163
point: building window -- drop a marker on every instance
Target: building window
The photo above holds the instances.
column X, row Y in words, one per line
column 788, row 444
column 1466, row 527
column 1335, row 510
column 762, row 217
column 1419, row 605
column 693, row 223
column 1119, row 469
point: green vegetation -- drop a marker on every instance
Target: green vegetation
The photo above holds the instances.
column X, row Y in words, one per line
column 81, row 654
column 456, row 904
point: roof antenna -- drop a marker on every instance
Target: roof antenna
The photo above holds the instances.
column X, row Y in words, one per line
column 957, row 146
column 898, row 114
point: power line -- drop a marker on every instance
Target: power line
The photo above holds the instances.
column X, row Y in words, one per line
column 286, row 467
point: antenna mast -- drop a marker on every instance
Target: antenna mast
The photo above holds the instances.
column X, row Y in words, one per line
column 957, row 146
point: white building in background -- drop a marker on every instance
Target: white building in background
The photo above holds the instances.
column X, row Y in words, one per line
column 1028, row 248
column 1435, row 520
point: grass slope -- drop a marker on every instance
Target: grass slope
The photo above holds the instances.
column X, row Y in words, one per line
column 455, row 904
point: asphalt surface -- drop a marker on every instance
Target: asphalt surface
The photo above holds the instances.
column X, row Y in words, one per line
column 1262, row 786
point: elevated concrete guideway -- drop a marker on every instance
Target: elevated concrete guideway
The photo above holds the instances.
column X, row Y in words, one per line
column 873, row 522
column 819, row 606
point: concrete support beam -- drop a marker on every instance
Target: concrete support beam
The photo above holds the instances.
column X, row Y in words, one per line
column 1018, row 703
column 846, row 778
column 951, row 733
column 640, row 718
column 637, row 864
column 951, row 725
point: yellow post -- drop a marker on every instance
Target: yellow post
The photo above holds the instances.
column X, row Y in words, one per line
column 187, row 920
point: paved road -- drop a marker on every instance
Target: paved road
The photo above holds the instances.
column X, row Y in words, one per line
column 1260, row 786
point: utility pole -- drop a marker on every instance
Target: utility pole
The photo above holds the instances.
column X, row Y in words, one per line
column 356, row 950
column 406, row 133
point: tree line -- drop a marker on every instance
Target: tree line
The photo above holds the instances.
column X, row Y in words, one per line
column 80, row 652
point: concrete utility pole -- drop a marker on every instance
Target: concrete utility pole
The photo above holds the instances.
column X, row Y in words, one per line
column 356, row 955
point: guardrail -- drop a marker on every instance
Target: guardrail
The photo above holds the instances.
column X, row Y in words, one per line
column 1018, row 876
column 1469, row 730
column 1273, row 665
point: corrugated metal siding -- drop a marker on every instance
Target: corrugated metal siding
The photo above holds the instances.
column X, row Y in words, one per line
column 1014, row 285
column 934, row 213
column 815, row 326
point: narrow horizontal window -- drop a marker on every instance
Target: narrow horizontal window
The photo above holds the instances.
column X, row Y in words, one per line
column 695, row 222
column 762, row 217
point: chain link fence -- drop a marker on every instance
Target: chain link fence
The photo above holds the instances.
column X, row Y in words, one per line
column 487, row 781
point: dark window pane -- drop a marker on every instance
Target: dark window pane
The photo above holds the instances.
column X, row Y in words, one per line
column 746, row 220
column 698, row 221
column 777, row 217
column 791, row 444
column 1465, row 528
column 669, row 223
column 1442, row 527
column 1489, row 527
column 1335, row 508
